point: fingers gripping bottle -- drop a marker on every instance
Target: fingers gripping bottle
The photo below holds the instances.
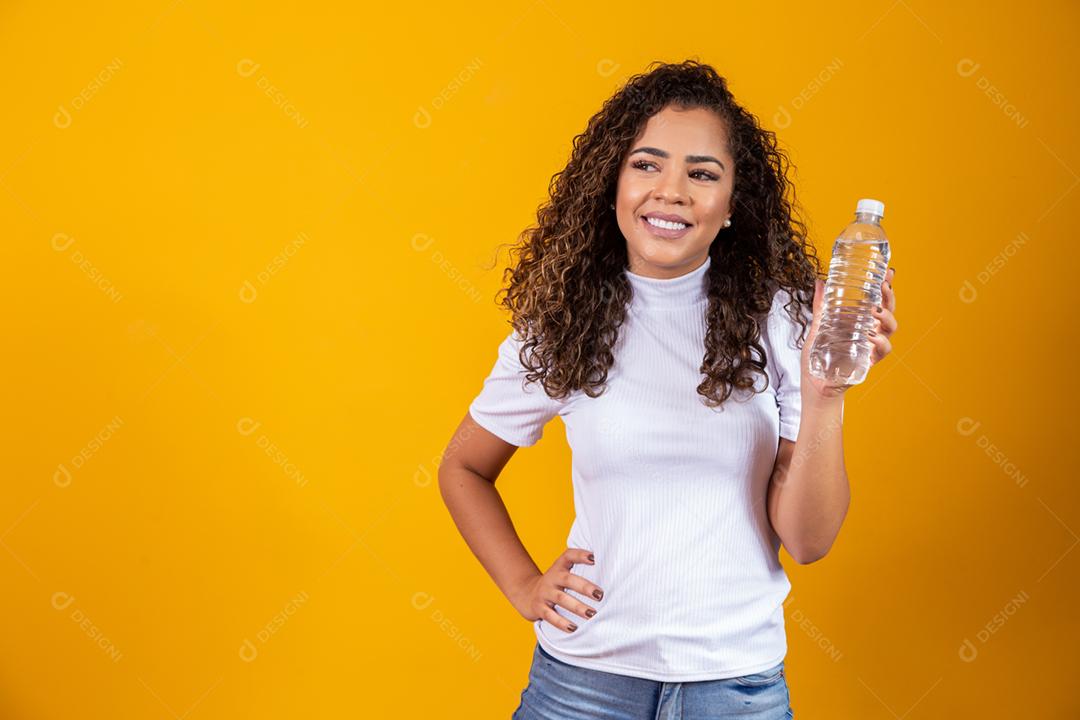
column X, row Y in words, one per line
column 860, row 258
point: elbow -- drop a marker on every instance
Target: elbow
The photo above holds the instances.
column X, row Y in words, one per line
column 804, row 555
column 805, row 558
column 817, row 546
column 454, row 477
column 448, row 481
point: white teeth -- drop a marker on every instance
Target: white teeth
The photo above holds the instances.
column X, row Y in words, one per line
column 667, row 225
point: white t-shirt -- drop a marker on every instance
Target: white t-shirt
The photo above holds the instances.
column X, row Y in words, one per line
column 669, row 494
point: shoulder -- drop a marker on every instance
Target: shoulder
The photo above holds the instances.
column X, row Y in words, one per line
column 517, row 359
column 513, row 349
column 783, row 329
column 784, row 305
column 781, row 298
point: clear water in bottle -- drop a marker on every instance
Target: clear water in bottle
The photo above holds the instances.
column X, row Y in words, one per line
column 860, row 258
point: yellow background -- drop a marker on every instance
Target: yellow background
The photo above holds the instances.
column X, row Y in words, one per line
column 249, row 297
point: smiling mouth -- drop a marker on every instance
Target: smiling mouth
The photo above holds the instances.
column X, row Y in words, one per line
column 668, row 224
column 664, row 228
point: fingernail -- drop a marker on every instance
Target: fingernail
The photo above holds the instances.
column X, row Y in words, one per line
column 573, row 627
column 590, row 612
column 598, row 594
column 591, row 558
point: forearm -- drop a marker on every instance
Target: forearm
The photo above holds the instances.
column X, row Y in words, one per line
column 815, row 492
column 483, row 521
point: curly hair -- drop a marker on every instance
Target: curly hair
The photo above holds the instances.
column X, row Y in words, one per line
column 568, row 294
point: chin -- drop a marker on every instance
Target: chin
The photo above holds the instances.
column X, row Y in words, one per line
column 659, row 252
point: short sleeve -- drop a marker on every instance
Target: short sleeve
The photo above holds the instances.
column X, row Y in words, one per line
column 785, row 357
column 508, row 407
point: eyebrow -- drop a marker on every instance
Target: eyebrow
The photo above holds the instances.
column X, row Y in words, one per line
column 689, row 158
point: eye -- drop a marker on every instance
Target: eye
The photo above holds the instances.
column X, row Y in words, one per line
column 704, row 174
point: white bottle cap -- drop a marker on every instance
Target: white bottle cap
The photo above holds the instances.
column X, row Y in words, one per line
column 869, row 205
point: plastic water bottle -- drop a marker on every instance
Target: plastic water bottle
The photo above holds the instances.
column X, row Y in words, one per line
column 860, row 258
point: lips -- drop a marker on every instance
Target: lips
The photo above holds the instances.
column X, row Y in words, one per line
column 664, row 233
column 669, row 218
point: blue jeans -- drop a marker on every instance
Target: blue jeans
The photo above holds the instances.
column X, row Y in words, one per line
column 558, row 691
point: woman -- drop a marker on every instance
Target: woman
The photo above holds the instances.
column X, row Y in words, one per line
column 663, row 307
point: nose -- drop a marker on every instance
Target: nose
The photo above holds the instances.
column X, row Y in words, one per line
column 669, row 188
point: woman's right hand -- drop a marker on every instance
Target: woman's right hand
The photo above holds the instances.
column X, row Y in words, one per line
column 538, row 597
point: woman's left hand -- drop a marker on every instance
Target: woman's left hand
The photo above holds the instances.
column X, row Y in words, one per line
column 885, row 326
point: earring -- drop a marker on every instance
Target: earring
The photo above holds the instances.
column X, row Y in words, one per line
column 612, row 206
column 727, row 223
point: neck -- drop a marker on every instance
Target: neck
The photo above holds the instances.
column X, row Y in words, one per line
column 683, row 290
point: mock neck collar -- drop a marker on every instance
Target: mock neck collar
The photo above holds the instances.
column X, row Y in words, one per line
column 664, row 293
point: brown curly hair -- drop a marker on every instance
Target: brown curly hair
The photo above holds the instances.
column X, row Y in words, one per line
column 568, row 293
